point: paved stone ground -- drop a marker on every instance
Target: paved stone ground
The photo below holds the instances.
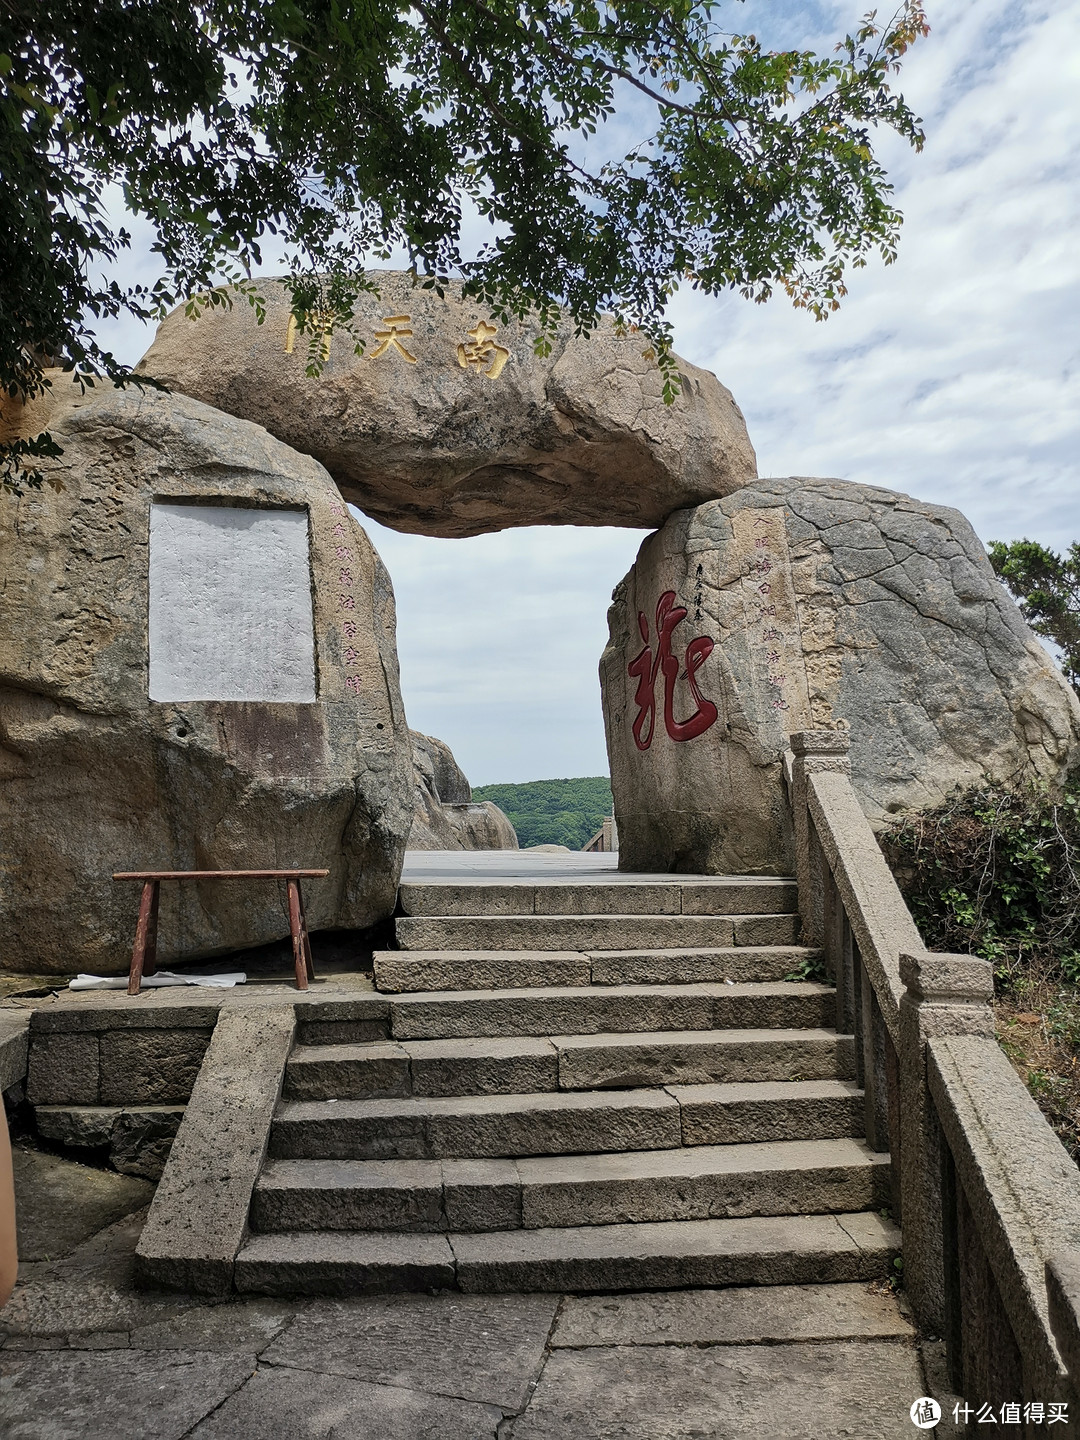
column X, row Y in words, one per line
column 85, row 1355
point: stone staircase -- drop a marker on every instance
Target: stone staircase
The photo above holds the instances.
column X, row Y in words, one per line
column 586, row 1086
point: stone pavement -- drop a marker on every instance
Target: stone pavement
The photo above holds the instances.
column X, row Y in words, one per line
column 85, row 1355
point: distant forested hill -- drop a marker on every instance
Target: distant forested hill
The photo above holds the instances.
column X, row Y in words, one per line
column 553, row 812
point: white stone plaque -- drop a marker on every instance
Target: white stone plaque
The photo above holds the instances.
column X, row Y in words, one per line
column 230, row 604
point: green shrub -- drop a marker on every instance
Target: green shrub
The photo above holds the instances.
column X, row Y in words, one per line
column 996, row 873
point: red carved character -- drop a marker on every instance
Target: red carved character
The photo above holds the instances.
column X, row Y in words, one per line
column 646, row 668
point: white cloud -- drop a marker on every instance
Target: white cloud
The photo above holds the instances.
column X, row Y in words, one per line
column 954, row 375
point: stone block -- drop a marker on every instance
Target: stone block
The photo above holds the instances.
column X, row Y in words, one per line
column 401, row 971
column 14, row 1048
column 757, row 1315
column 477, row 1126
column 766, row 929
column 353, row 1072
column 759, row 1251
column 688, row 1057
column 342, row 1022
column 1063, row 1296
column 466, row 899
column 481, row 1194
column 552, row 1124
column 167, row 1009
column 565, row 932
column 349, row 1130
column 387, row 1195
column 758, row 897
column 150, row 1067
column 485, row 1348
column 702, row 1182
column 624, row 898
column 318, row 1406
column 340, row 1032
column 63, row 1069
column 774, row 1006
column 568, row 1011
column 200, row 1211
column 344, row 1264
column 774, row 1110
column 73, row 1393
column 786, row 1392
column 740, row 964
column 482, row 1066
column 82, row 1127
column 142, row 1138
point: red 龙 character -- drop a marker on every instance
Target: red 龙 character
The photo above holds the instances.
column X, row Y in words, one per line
column 647, row 667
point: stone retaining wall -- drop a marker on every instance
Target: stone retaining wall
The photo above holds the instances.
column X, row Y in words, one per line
column 109, row 1073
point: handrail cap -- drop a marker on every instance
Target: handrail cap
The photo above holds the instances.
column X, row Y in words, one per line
column 820, row 742
column 934, row 975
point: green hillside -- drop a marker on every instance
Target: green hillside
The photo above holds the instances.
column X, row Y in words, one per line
column 553, row 812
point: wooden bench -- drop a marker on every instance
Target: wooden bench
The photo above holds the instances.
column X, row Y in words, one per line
column 144, row 954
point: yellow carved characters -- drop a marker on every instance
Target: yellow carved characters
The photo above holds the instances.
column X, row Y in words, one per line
column 481, row 351
column 322, row 325
column 398, row 328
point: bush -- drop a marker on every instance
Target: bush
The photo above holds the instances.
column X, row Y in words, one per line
column 996, row 873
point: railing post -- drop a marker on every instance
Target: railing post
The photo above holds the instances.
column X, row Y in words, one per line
column 1063, row 1295
column 814, row 751
column 944, row 995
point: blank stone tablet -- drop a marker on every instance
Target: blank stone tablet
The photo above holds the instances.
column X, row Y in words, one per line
column 230, row 604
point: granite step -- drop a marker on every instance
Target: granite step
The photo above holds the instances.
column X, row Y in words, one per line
column 564, row 1122
column 593, row 932
column 671, row 1254
column 701, row 1057
column 590, row 1009
column 475, row 1126
column 522, row 1064
column 398, row 971
column 666, row 895
column 710, row 1182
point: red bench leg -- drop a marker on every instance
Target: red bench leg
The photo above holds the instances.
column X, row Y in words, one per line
column 309, row 961
column 296, row 930
column 144, row 953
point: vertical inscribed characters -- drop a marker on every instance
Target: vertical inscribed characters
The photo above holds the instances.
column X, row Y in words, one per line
column 346, row 599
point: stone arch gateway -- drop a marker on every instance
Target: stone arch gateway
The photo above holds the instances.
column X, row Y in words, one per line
column 450, row 424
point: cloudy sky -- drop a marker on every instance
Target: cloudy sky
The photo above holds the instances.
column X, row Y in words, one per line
column 953, row 375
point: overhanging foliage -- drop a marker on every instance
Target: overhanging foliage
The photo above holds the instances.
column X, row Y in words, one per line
column 338, row 130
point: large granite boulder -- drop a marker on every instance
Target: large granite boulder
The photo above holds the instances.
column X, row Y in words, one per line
column 197, row 670
column 811, row 604
column 450, row 424
column 446, row 816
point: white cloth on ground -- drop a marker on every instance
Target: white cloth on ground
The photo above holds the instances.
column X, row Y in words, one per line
column 163, row 977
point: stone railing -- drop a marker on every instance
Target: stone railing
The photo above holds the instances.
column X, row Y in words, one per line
column 987, row 1198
